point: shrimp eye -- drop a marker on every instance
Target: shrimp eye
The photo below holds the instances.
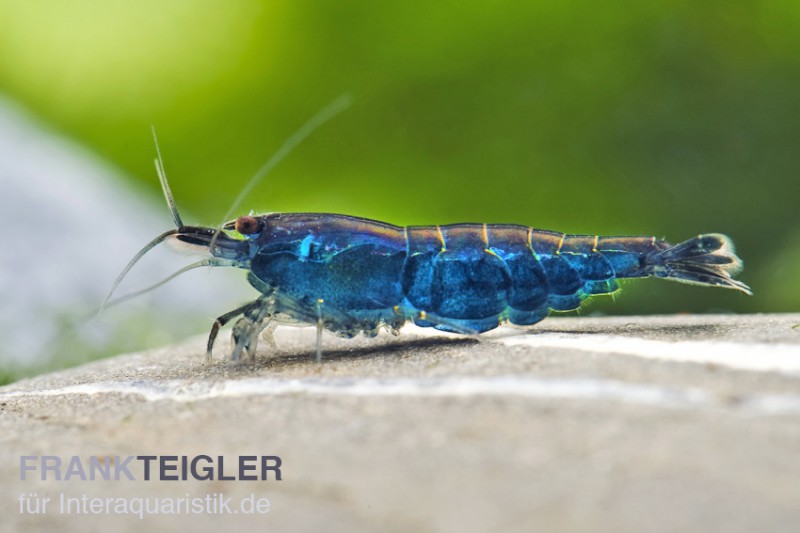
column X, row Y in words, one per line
column 247, row 225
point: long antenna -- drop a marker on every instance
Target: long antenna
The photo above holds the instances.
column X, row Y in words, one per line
column 149, row 246
column 162, row 177
column 324, row 115
column 213, row 262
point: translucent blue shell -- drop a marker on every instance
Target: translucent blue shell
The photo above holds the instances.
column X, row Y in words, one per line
column 461, row 277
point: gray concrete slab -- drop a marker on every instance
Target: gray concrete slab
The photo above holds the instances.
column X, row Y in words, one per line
column 582, row 424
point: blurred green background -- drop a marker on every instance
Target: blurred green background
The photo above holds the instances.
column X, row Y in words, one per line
column 664, row 118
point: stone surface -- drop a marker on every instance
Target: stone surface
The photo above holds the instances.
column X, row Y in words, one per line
column 581, row 424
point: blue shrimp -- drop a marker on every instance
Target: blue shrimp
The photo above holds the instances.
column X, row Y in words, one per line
column 351, row 275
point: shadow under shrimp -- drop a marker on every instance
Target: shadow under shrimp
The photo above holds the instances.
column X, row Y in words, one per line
column 393, row 349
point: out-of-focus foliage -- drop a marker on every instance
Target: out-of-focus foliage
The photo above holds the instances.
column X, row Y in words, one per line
column 656, row 117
